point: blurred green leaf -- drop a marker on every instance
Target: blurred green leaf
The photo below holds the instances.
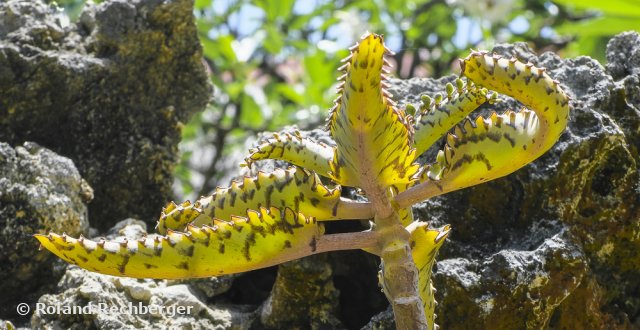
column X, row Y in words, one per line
column 251, row 115
column 601, row 26
column 290, row 93
column 202, row 4
column 615, row 7
column 276, row 9
column 274, row 41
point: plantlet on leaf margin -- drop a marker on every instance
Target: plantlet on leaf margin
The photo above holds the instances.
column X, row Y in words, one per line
column 274, row 217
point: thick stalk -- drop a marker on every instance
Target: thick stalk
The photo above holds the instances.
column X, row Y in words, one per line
column 399, row 274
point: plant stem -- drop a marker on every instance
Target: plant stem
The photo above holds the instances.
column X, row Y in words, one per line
column 334, row 242
column 399, row 274
column 419, row 193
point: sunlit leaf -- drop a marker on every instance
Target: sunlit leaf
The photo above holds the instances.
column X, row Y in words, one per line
column 617, row 7
column 601, row 26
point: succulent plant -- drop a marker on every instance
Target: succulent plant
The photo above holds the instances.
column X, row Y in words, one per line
column 274, row 217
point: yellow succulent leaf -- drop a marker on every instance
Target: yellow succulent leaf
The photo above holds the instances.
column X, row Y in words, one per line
column 489, row 148
column 294, row 187
column 297, row 150
column 261, row 239
column 528, row 84
column 371, row 134
column 426, row 242
column 440, row 114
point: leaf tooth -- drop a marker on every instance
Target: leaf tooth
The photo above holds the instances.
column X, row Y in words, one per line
column 237, row 219
column 388, row 51
column 527, row 67
column 480, row 121
column 448, row 154
column 496, row 119
column 347, row 59
column 451, row 138
column 208, row 229
column 304, row 172
column 141, row 243
column 458, row 130
column 170, row 207
column 257, row 214
column 386, row 62
column 541, row 71
column 191, row 228
column 468, row 125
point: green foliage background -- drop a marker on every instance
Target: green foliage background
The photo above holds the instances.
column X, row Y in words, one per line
column 273, row 62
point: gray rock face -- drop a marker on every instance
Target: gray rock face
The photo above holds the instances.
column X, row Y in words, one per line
column 39, row 191
column 110, row 92
column 139, row 304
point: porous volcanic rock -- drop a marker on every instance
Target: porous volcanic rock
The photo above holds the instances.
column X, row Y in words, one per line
column 39, row 191
column 110, row 91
